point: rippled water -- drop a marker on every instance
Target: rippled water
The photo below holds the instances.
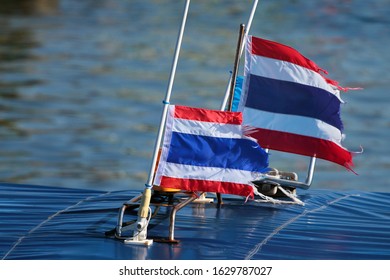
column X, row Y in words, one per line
column 81, row 82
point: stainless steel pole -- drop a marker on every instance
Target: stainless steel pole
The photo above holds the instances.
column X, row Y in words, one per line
column 248, row 27
column 140, row 233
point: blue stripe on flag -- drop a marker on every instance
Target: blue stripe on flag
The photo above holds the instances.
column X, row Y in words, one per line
column 243, row 154
column 294, row 99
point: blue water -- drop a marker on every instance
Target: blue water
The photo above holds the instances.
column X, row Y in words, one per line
column 81, row 82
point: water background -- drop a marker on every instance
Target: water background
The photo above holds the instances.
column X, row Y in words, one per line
column 81, row 82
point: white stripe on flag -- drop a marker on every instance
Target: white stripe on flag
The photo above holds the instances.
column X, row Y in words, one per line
column 287, row 71
column 207, row 128
column 292, row 124
column 183, row 171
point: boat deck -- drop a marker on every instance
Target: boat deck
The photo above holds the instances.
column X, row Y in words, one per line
column 40, row 222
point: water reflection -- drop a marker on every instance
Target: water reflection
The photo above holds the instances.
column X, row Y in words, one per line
column 16, row 43
column 28, row 7
column 62, row 104
column 82, row 81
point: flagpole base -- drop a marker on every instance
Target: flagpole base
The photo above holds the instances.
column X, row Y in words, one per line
column 139, row 226
column 203, row 199
column 135, row 241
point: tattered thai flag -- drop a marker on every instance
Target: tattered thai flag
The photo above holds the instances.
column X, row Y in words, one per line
column 206, row 150
column 290, row 104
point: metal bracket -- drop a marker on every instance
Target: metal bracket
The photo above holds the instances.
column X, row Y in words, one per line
column 277, row 180
column 139, row 227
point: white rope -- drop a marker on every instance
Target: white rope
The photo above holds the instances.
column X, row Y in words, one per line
column 264, row 197
column 291, row 196
column 267, row 199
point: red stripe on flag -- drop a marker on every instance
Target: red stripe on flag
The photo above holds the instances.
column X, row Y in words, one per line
column 195, row 185
column 303, row 145
column 205, row 115
column 270, row 49
column 279, row 51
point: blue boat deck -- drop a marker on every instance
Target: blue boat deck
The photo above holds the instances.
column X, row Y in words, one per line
column 50, row 223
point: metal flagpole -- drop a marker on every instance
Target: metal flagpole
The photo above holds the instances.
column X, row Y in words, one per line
column 140, row 233
column 233, row 82
column 248, row 27
column 235, row 68
column 229, row 93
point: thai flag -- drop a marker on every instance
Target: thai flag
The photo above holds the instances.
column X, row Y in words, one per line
column 206, row 150
column 291, row 104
